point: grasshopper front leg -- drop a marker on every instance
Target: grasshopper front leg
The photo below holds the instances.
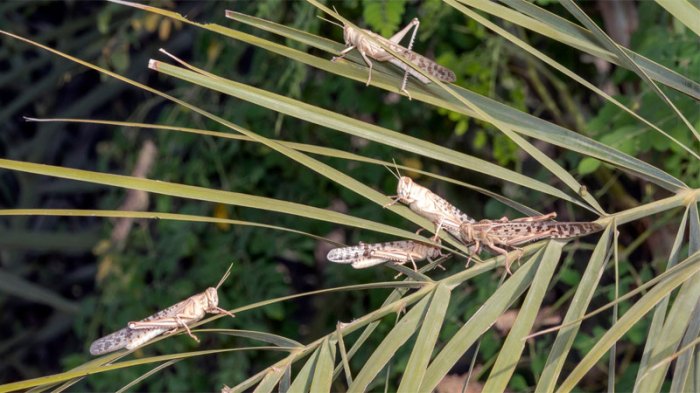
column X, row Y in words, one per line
column 394, row 200
column 219, row 310
column 344, row 52
column 364, row 56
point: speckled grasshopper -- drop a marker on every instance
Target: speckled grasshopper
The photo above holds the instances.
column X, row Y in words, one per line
column 429, row 205
column 366, row 43
column 500, row 235
column 365, row 255
column 179, row 315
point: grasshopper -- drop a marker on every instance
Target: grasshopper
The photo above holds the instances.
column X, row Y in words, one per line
column 430, row 205
column 179, row 315
column 367, row 255
column 366, row 43
column 498, row 235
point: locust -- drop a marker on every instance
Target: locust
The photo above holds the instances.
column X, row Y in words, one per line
column 366, row 255
column 366, row 43
column 179, row 315
column 503, row 234
column 430, row 205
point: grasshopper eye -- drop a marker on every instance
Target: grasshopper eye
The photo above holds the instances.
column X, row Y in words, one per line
column 212, row 297
column 405, row 185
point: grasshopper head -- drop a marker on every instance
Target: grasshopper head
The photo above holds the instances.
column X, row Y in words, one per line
column 435, row 252
column 212, row 297
column 467, row 232
column 349, row 35
column 404, row 190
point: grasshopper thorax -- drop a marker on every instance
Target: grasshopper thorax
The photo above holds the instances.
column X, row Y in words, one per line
column 349, row 35
column 405, row 190
column 467, row 232
column 212, row 298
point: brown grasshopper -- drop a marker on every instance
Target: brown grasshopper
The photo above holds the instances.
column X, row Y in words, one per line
column 365, row 255
column 499, row 235
column 431, row 206
column 179, row 315
column 366, row 43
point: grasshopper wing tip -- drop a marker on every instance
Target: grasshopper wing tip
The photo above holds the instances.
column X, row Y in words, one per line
column 109, row 343
column 337, row 255
column 98, row 348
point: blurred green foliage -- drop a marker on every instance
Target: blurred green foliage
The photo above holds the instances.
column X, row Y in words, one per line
column 677, row 49
column 383, row 17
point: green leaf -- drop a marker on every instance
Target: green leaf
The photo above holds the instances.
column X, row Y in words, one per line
column 587, row 165
column 579, row 304
column 523, row 123
column 17, row 286
column 271, row 380
column 425, row 342
column 512, row 349
column 654, row 337
column 628, row 62
column 684, row 363
column 323, row 372
column 200, row 193
column 383, row 16
column 529, row 126
column 480, row 321
column 302, row 382
column 392, row 342
column 685, row 271
column 675, row 325
column 557, row 27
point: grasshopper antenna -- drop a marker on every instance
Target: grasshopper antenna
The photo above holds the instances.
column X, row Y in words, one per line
column 391, row 171
column 329, row 21
column 228, row 272
column 397, row 167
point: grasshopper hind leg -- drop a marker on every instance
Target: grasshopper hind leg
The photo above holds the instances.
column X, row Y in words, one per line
column 220, row 310
column 403, row 85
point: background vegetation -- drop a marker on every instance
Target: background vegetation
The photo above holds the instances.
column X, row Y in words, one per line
column 66, row 279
